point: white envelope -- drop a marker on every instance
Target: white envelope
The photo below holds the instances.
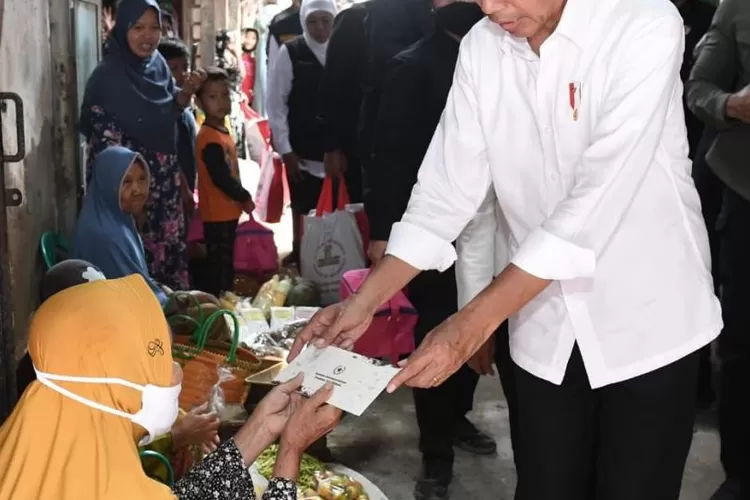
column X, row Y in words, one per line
column 357, row 380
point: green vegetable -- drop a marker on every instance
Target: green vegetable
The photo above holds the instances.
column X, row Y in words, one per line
column 308, row 467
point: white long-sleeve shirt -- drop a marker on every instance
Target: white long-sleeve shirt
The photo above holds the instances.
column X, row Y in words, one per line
column 281, row 78
column 483, row 241
column 585, row 146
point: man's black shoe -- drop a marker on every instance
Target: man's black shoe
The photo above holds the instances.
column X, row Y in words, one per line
column 468, row 438
column 434, row 481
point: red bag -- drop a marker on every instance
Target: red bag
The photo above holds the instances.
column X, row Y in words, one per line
column 269, row 198
column 326, row 206
column 391, row 333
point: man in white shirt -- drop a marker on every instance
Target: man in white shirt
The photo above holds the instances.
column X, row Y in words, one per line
column 573, row 113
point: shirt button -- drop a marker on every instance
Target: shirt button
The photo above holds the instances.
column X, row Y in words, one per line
column 553, row 177
column 547, row 130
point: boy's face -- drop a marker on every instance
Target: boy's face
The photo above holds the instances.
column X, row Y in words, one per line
column 179, row 69
column 215, row 99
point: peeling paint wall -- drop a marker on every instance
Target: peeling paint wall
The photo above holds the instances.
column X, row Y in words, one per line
column 26, row 68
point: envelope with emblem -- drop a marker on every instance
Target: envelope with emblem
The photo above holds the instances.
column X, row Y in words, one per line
column 357, row 380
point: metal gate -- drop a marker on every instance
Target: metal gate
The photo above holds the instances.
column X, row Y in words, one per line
column 9, row 197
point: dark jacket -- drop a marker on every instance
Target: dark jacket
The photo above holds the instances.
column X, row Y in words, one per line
column 722, row 68
column 392, row 26
column 415, row 90
column 305, row 130
column 341, row 90
column 697, row 16
column 284, row 26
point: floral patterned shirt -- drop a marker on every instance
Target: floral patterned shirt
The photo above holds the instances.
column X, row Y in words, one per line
column 222, row 475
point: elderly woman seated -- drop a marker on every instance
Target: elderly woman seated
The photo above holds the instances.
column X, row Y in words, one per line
column 106, row 382
column 107, row 233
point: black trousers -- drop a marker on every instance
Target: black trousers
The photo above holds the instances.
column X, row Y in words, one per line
column 710, row 190
column 734, row 342
column 304, row 194
column 439, row 409
column 505, row 371
column 219, row 238
column 626, row 441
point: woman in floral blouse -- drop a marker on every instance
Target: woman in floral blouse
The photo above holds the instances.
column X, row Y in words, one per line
column 131, row 100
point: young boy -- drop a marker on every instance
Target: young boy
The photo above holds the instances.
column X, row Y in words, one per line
column 177, row 56
column 221, row 195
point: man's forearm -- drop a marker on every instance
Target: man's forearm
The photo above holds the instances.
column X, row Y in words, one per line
column 506, row 295
column 390, row 276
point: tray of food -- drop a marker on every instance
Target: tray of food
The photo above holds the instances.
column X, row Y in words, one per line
column 317, row 480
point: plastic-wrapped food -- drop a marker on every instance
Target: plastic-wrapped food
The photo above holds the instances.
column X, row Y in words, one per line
column 229, row 301
column 254, row 324
column 308, row 494
column 281, row 316
column 264, row 299
column 331, row 486
column 272, row 294
column 280, row 292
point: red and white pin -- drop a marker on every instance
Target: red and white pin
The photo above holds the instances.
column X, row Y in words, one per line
column 574, row 95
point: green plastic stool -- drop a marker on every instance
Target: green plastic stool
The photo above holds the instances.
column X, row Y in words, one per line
column 158, row 456
column 52, row 245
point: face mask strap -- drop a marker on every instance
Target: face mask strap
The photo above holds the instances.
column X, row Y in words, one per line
column 84, row 401
column 89, row 380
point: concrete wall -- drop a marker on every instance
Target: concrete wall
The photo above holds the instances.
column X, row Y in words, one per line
column 28, row 68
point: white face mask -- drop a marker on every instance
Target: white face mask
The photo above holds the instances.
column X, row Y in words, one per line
column 159, row 405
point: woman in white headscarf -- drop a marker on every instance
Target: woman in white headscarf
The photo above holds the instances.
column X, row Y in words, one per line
column 293, row 87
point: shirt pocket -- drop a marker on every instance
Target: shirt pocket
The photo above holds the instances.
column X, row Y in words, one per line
column 573, row 117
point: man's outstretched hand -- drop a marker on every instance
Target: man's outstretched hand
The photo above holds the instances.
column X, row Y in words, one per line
column 339, row 325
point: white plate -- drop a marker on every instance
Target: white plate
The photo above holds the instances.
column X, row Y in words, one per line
column 372, row 491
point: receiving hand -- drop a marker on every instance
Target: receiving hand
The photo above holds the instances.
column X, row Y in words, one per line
column 340, row 324
column 272, row 414
column 199, row 427
column 482, row 360
column 291, row 162
column 311, row 420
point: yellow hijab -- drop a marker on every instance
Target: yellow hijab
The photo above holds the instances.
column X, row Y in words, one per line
column 53, row 447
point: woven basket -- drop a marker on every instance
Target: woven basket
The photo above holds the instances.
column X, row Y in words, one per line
column 200, row 361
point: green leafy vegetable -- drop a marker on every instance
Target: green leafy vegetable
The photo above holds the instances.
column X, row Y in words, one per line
column 308, row 467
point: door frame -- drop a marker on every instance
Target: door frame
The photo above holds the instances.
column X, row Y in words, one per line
column 8, row 198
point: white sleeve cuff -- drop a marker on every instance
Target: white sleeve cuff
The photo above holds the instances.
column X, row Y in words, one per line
column 420, row 248
column 549, row 257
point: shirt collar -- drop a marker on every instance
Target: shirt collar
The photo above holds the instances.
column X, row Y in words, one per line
column 574, row 26
column 575, row 22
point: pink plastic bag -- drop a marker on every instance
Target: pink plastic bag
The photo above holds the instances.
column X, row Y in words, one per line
column 391, row 333
column 254, row 249
column 195, row 230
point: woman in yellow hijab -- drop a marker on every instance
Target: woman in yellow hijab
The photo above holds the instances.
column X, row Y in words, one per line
column 106, row 382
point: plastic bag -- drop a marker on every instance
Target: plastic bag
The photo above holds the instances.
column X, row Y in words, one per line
column 331, row 486
column 216, row 402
